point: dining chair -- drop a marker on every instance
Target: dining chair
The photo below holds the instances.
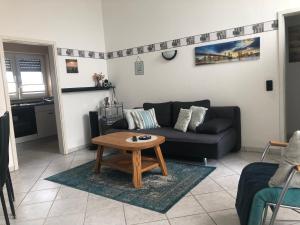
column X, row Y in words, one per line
column 5, row 178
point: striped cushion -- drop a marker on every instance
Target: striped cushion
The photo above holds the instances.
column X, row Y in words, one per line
column 145, row 119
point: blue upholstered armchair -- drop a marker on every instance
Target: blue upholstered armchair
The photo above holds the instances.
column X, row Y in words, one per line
column 255, row 196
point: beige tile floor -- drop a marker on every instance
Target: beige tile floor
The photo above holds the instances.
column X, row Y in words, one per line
column 40, row 202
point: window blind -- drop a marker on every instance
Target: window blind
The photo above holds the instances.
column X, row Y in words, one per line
column 8, row 65
column 30, row 65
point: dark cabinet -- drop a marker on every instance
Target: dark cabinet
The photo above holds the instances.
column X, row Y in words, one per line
column 24, row 121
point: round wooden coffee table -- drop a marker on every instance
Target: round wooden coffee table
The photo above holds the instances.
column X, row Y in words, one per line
column 130, row 160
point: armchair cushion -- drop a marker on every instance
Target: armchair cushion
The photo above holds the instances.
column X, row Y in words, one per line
column 290, row 159
column 254, row 178
column 254, row 193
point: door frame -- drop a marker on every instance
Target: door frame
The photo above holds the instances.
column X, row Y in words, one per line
column 55, row 88
column 282, row 68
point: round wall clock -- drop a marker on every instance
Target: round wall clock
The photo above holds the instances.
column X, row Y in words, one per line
column 169, row 55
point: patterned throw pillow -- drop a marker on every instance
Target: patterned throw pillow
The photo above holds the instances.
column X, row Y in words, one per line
column 183, row 120
column 198, row 115
column 145, row 119
column 129, row 118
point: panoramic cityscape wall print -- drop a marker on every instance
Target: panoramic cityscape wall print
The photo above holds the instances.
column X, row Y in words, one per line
column 242, row 50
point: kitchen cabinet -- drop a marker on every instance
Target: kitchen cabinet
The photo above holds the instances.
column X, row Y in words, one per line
column 24, row 121
column 45, row 120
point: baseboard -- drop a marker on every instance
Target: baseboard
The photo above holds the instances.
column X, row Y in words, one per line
column 27, row 138
column 274, row 151
column 78, row 148
column 83, row 147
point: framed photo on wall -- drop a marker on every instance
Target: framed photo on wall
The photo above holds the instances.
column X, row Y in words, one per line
column 72, row 65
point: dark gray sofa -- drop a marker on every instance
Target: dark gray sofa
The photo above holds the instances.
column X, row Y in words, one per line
column 218, row 135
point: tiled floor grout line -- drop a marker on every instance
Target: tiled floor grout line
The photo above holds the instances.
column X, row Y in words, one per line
column 204, row 209
column 34, row 183
column 124, row 213
column 224, row 189
column 149, row 222
column 51, row 206
column 29, row 191
column 192, row 214
column 55, row 195
column 85, row 211
column 169, row 218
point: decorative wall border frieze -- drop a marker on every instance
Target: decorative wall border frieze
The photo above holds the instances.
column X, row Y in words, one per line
column 175, row 43
column 80, row 53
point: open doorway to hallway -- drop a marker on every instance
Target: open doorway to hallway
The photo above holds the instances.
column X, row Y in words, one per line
column 292, row 77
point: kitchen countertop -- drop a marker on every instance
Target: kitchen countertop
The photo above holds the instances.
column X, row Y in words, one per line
column 32, row 104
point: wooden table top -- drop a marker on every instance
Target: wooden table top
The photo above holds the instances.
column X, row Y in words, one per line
column 118, row 140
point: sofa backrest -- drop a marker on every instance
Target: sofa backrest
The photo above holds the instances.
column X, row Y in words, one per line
column 163, row 112
column 229, row 112
column 167, row 112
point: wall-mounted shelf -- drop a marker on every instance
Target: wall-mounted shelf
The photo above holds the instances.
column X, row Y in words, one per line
column 81, row 89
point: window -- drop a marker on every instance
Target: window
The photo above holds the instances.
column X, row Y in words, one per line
column 12, row 86
column 25, row 75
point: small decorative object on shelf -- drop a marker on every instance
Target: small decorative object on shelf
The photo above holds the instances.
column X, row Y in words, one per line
column 110, row 113
column 98, row 79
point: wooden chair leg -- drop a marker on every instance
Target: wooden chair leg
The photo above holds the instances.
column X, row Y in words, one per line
column 4, row 207
column 11, row 186
column 137, row 169
column 10, row 199
column 99, row 159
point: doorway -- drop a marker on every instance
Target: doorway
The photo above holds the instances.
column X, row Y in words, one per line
column 292, row 78
column 33, row 98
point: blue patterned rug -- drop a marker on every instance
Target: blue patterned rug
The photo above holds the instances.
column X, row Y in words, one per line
column 159, row 193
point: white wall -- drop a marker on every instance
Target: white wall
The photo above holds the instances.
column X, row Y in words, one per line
column 73, row 24
column 292, row 87
column 130, row 23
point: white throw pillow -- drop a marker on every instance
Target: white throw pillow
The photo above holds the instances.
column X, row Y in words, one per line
column 198, row 115
column 183, row 120
column 129, row 118
column 290, row 158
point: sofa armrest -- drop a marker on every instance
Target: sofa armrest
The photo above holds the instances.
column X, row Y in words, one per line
column 229, row 112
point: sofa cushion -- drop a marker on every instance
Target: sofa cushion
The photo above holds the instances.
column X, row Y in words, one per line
column 129, row 118
column 176, row 106
column 178, row 136
column 198, row 115
column 162, row 112
column 145, row 119
column 214, row 126
column 183, row 120
column 120, row 124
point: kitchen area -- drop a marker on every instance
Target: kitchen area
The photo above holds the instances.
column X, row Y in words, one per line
column 32, row 103
column 34, row 119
